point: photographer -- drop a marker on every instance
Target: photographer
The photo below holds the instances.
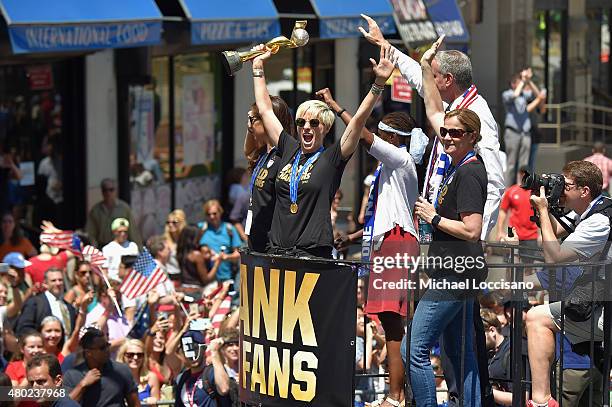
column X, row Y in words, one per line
column 582, row 194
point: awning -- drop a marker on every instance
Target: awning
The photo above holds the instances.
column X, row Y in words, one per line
column 340, row 18
column 231, row 21
column 71, row 25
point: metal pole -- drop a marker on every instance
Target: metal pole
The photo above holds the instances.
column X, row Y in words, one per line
column 516, row 337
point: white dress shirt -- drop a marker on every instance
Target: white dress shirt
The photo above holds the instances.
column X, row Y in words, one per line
column 56, row 310
column 487, row 147
column 397, row 189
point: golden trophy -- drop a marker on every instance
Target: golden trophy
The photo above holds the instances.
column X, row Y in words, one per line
column 233, row 60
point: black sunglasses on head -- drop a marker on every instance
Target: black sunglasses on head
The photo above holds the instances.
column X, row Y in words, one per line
column 300, row 122
column 454, row 133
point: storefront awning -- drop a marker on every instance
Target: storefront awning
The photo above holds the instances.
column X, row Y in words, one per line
column 75, row 25
column 231, row 21
column 340, row 18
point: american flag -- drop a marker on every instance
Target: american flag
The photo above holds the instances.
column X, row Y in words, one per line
column 65, row 239
column 144, row 277
column 94, row 257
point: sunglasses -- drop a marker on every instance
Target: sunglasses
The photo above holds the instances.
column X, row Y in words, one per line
column 454, row 133
column 302, row 122
column 132, row 355
column 253, row 119
column 83, row 272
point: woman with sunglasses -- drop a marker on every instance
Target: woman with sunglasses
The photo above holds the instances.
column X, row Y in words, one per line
column 263, row 164
column 133, row 354
column 82, row 283
column 456, row 217
column 175, row 223
column 309, row 175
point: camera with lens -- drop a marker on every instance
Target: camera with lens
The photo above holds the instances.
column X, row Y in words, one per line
column 554, row 185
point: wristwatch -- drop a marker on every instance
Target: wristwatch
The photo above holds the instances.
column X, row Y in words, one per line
column 436, row 220
column 339, row 114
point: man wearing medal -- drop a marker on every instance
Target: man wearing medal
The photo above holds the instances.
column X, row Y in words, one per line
column 309, row 175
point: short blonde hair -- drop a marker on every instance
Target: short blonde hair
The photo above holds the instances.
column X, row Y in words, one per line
column 319, row 110
column 144, row 370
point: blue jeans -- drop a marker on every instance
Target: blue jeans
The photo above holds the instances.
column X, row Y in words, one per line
column 437, row 316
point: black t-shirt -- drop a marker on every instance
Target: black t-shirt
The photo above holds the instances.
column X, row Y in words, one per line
column 500, row 366
column 310, row 228
column 466, row 192
column 262, row 203
column 110, row 391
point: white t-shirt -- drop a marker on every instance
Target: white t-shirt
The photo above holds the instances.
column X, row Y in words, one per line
column 590, row 235
column 397, row 189
column 113, row 253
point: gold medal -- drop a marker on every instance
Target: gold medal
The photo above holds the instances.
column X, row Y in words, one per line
column 293, row 208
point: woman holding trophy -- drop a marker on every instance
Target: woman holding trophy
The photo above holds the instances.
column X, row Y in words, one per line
column 309, row 175
column 263, row 163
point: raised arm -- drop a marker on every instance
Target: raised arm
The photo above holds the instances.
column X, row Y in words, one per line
column 408, row 67
column 250, row 145
column 382, row 70
column 326, row 96
column 271, row 123
column 431, row 94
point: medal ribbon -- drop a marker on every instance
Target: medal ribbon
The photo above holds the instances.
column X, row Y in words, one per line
column 191, row 397
column 295, row 177
column 469, row 157
column 263, row 158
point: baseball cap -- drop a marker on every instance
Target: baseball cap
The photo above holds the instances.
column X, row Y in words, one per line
column 196, row 337
column 16, row 259
column 119, row 223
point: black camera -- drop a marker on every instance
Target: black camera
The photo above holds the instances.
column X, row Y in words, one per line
column 554, row 185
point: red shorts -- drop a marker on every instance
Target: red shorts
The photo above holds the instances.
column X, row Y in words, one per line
column 388, row 288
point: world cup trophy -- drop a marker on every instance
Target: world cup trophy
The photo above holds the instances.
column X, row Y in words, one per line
column 233, row 60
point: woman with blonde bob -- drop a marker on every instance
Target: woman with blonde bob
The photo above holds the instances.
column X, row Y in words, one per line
column 133, row 354
column 309, row 174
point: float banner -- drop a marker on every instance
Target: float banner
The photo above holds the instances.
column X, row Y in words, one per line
column 297, row 332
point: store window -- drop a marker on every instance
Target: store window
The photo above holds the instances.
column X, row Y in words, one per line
column 32, row 141
column 547, row 55
column 175, row 163
column 198, row 141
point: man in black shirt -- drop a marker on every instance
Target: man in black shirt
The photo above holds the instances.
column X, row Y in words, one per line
column 100, row 381
column 498, row 347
